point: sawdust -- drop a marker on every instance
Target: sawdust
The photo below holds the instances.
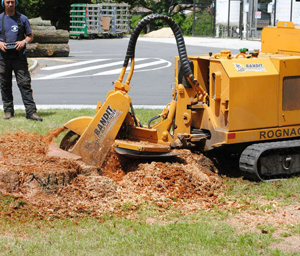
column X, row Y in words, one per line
column 280, row 218
column 60, row 187
column 23, row 159
column 161, row 33
column 274, row 215
column 290, row 244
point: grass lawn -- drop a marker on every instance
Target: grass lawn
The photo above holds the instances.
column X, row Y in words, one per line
column 153, row 231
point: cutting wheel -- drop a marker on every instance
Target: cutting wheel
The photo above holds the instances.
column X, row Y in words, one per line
column 142, row 149
column 69, row 140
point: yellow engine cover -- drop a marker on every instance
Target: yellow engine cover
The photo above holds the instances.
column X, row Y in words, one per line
column 251, row 86
column 250, row 98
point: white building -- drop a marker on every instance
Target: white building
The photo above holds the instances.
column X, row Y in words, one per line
column 250, row 16
column 287, row 10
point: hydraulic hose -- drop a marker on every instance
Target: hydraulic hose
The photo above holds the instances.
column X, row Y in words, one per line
column 187, row 71
column 177, row 33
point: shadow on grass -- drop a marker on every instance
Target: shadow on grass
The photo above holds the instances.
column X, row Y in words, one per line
column 227, row 164
column 47, row 113
column 40, row 113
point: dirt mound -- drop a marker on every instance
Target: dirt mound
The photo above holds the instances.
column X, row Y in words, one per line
column 161, row 33
column 61, row 187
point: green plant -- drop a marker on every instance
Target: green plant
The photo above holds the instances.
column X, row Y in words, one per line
column 126, row 206
column 135, row 20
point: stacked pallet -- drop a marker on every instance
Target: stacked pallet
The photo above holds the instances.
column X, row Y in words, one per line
column 48, row 41
column 99, row 20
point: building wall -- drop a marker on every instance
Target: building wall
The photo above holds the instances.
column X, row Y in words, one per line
column 283, row 11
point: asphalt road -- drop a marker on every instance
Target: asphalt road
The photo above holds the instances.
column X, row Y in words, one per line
column 85, row 77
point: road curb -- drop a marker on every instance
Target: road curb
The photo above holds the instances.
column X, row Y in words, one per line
column 34, row 65
column 48, row 107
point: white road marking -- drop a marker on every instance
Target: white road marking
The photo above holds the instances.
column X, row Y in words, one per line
column 73, row 64
column 76, row 71
column 70, row 73
column 117, row 71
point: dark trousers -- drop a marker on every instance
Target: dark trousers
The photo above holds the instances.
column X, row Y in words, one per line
column 20, row 68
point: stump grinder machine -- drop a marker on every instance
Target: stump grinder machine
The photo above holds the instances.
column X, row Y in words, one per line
column 248, row 103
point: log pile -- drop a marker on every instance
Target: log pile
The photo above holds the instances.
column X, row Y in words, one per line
column 48, row 41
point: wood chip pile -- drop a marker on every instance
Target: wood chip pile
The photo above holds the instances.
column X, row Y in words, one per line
column 63, row 187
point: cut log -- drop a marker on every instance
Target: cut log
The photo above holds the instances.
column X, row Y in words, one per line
column 48, row 50
column 34, row 27
column 39, row 22
column 51, row 36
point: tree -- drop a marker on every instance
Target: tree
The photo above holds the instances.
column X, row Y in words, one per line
column 169, row 7
column 156, row 6
column 57, row 11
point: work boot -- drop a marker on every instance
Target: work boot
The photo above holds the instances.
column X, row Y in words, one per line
column 7, row 116
column 35, row 117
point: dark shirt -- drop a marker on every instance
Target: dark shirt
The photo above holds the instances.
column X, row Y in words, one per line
column 11, row 31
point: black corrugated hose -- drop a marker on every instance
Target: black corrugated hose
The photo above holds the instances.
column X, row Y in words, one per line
column 178, row 36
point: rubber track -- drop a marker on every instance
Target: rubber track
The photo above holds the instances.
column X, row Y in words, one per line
column 251, row 155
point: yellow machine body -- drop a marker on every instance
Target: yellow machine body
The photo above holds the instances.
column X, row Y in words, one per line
column 228, row 100
column 249, row 99
column 283, row 39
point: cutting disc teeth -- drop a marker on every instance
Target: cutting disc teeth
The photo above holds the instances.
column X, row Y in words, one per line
column 142, row 154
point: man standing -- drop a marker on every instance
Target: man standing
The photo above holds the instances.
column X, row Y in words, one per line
column 15, row 33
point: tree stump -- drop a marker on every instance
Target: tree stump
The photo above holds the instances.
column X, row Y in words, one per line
column 27, row 162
